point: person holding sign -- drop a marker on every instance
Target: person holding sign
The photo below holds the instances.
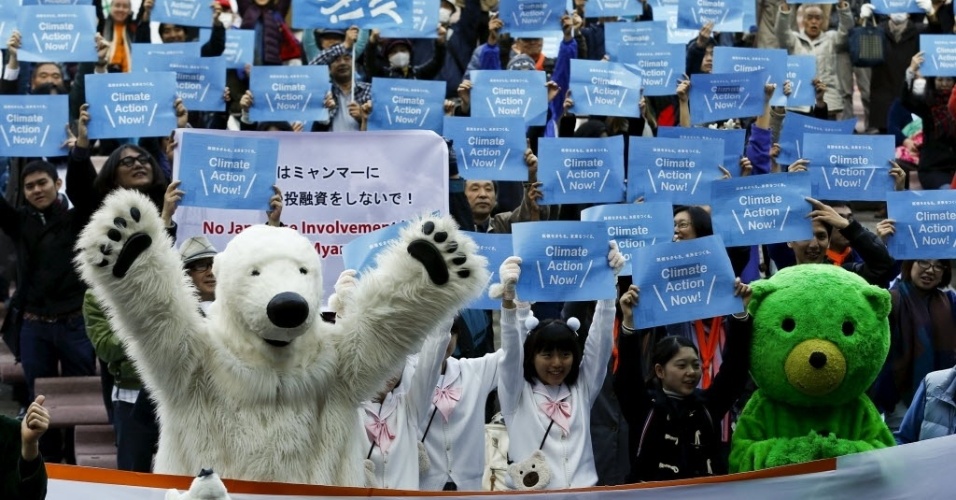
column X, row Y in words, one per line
column 930, row 98
column 23, row 475
column 47, row 77
column 174, row 33
column 546, row 381
column 119, row 28
column 680, row 437
column 398, row 53
column 482, row 197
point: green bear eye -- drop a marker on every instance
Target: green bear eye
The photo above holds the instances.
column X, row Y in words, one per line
column 848, row 328
column 788, row 325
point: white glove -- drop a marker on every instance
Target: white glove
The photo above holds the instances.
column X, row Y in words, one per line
column 615, row 258
column 866, row 10
column 344, row 287
column 508, row 273
column 926, row 5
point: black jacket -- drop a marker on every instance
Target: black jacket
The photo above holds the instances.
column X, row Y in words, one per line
column 877, row 266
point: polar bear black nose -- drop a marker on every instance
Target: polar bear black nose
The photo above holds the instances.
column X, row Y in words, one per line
column 287, row 310
column 818, row 360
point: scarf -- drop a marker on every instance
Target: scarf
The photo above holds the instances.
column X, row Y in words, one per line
column 923, row 339
column 896, row 30
column 942, row 119
column 557, row 408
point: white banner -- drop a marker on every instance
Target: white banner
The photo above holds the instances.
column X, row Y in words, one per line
column 337, row 186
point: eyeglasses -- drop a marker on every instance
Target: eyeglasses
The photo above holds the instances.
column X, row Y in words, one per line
column 937, row 267
column 200, row 266
column 682, row 224
column 130, row 160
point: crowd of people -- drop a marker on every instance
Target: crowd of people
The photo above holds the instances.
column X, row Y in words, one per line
column 580, row 386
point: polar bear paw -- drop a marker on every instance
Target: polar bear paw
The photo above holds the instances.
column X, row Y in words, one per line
column 120, row 232
column 438, row 252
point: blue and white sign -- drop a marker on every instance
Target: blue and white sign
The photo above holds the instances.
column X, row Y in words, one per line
column 615, row 8
column 509, row 94
column 673, row 170
column 727, row 15
column 57, row 33
column 683, row 281
column 801, row 70
column 796, row 125
column 182, row 12
column 939, row 52
column 733, row 140
column 34, row 125
column 666, row 10
column 56, row 2
column 581, row 170
column 852, row 167
column 340, row 14
column 289, row 93
column 239, row 48
column 894, row 6
column 488, row 148
column 402, row 104
column 634, row 225
column 925, row 224
column 604, row 88
column 200, row 81
column 621, row 37
column 761, row 209
column 424, row 21
column 183, row 49
column 563, row 261
column 739, row 60
column 496, row 248
column 531, row 17
column 9, row 10
column 659, row 66
column 360, row 253
column 228, row 172
column 131, row 104
column 718, row 97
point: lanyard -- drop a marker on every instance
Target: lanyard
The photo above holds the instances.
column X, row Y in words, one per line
column 708, row 346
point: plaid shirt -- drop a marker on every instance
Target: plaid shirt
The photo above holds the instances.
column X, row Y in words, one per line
column 330, row 54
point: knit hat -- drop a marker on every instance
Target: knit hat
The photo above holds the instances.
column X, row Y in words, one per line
column 396, row 42
column 521, row 62
column 196, row 248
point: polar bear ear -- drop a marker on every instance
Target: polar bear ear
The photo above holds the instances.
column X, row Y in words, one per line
column 574, row 324
column 531, row 323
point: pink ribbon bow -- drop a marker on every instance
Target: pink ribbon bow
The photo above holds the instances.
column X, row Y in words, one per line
column 445, row 399
column 559, row 412
column 378, row 431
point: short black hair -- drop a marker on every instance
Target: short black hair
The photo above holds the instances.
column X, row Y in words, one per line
column 699, row 219
column 552, row 335
column 40, row 166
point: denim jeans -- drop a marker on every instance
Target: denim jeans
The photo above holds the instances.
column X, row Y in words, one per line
column 55, row 349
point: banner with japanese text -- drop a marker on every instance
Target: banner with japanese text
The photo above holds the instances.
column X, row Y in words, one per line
column 181, row 49
column 581, row 170
column 496, row 248
column 796, row 125
column 726, row 15
column 239, row 48
column 289, row 93
column 672, row 170
column 801, row 70
column 34, row 125
column 761, row 209
column 57, row 33
column 403, row 104
column 925, row 224
column 718, row 97
column 734, row 139
column 531, row 18
column 620, row 38
column 604, row 88
column 851, row 168
column 340, row 14
column 227, row 172
column 424, row 21
column 739, row 60
column 200, row 81
column 659, row 66
column 634, row 225
column 503, row 94
column 126, row 105
column 615, row 8
column 488, row 148
column 182, row 13
column 939, row 55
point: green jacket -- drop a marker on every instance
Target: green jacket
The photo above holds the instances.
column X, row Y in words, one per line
column 20, row 480
column 108, row 347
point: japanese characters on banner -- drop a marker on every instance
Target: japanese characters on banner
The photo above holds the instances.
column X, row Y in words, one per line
column 727, row 15
column 360, row 253
column 659, row 66
column 733, row 138
column 57, row 33
column 424, row 21
column 683, row 281
column 738, row 60
column 581, row 170
column 336, row 186
column 531, row 17
column 403, row 104
column 939, row 55
column 673, row 170
column 796, row 125
column 239, row 48
column 182, row 12
column 718, row 97
column 761, row 209
column 488, row 148
column 510, row 94
column 615, row 8
column 604, row 88
column 563, row 261
column 131, row 104
column 227, row 172
column 182, row 49
column 634, row 225
column 289, row 93
column 339, row 14
column 894, row 6
column 925, row 224
column 34, row 125
column 496, row 248
column 200, row 81
column 852, row 167
column 801, row 70
column 620, row 38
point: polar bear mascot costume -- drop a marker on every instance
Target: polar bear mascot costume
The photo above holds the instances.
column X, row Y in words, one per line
column 262, row 389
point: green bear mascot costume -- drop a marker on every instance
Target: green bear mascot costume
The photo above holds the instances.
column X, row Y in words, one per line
column 820, row 336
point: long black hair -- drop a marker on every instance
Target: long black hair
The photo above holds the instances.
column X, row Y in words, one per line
column 105, row 181
column 552, row 335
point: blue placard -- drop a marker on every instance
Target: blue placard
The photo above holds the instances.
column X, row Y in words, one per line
column 228, row 171
column 673, row 170
column 719, row 96
column 9, row 10
column 424, row 21
column 183, row 49
column 738, row 60
column 488, row 148
column 851, row 167
column 289, row 93
column 733, row 138
column 634, row 225
column 615, row 8
column 761, row 209
column 581, row 170
column 939, row 55
column 496, row 248
column 200, row 81
column 659, row 66
column 131, row 104
column 604, row 88
column 57, row 33
column 339, row 14
column 56, row 2
column 925, row 224
column 801, row 70
column 34, row 125
column 620, row 37
column 726, row 15
column 563, row 261
column 182, row 12
column 667, row 12
column 239, row 48
column 401, row 104
column 510, row 94
column 531, row 17
column 359, row 254
column 683, row 281
column 796, row 125
column 894, row 6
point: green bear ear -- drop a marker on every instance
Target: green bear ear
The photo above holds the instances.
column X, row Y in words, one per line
column 879, row 300
column 760, row 289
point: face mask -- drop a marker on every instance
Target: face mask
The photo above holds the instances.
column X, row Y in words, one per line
column 899, row 18
column 919, row 87
column 444, row 15
column 399, row 59
column 226, row 19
